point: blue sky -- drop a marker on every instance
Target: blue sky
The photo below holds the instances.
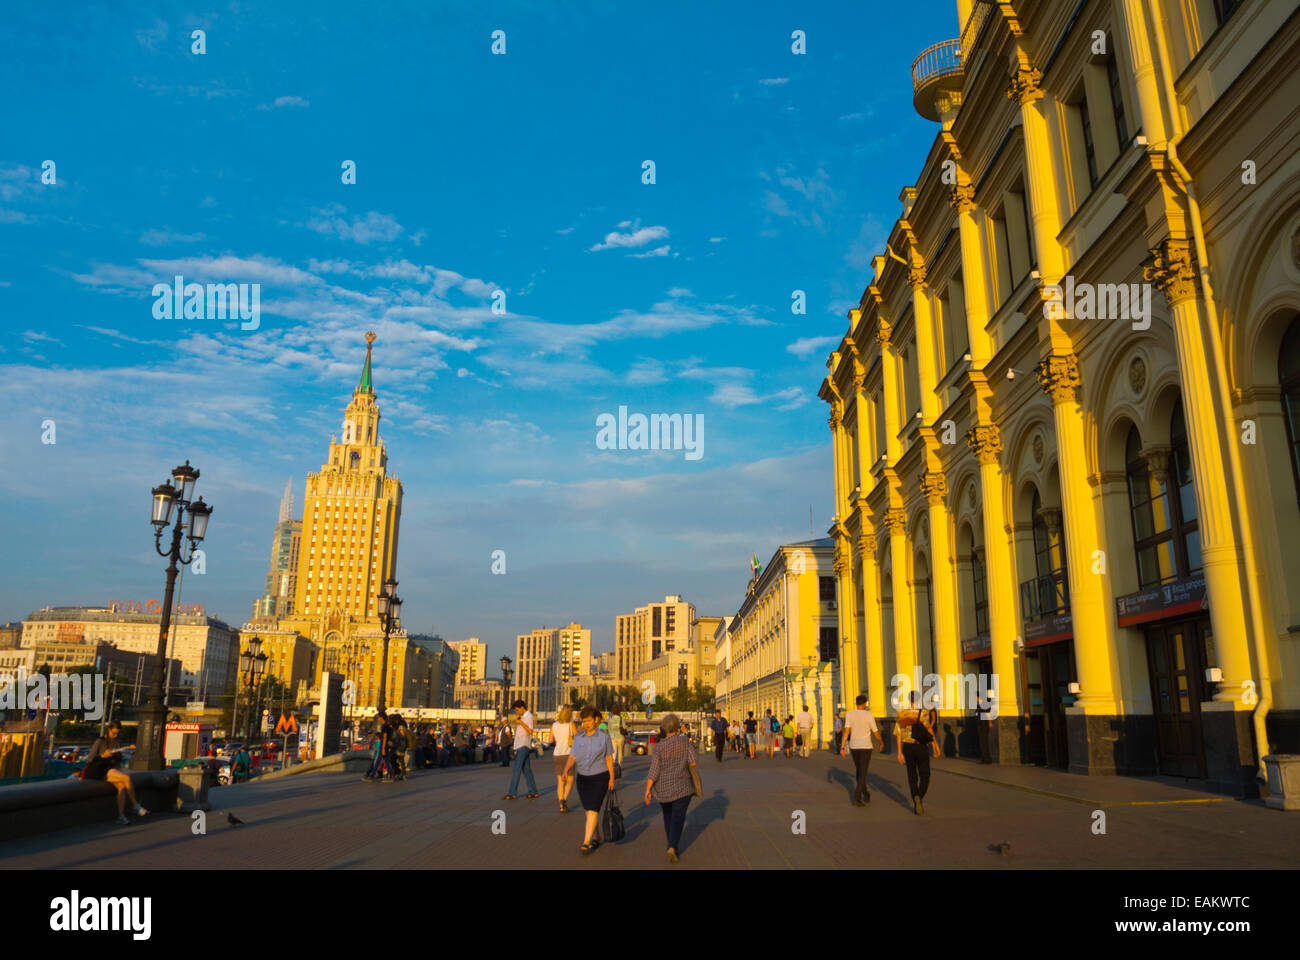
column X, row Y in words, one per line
column 475, row 173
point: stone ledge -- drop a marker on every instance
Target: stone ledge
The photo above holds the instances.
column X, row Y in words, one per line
column 32, row 808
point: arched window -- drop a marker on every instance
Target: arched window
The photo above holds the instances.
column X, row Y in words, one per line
column 979, row 590
column 1288, row 374
column 1048, row 592
column 1166, row 534
column 1186, row 524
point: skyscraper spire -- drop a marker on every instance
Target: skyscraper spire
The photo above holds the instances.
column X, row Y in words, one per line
column 286, row 501
column 366, row 386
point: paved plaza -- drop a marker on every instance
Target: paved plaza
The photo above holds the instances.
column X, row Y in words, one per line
column 443, row 819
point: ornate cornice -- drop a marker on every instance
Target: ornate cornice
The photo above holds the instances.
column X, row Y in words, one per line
column 1170, row 268
column 934, row 487
column 985, row 442
column 1058, row 375
column 963, row 198
column 1025, row 85
column 895, row 520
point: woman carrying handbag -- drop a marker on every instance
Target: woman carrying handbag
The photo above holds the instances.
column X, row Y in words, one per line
column 673, row 780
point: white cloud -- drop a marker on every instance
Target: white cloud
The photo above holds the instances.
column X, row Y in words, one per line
column 374, row 226
column 638, row 237
column 805, row 346
column 774, row 81
column 656, row 252
column 279, row 102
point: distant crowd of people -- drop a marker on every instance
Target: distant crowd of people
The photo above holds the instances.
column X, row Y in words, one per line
column 396, row 746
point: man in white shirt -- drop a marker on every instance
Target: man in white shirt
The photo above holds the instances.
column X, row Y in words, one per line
column 524, row 734
column 804, row 724
column 859, row 728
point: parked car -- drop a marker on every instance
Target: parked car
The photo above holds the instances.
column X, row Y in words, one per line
column 230, row 748
column 638, row 741
column 65, row 754
column 83, row 753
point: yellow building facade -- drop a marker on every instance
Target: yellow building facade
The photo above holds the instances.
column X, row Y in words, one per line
column 780, row 651
column 352, row 512
column 1064, row 411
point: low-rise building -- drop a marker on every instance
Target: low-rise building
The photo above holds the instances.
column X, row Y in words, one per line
column 783, row 644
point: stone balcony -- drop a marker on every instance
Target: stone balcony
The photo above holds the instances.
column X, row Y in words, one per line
column 937, row 74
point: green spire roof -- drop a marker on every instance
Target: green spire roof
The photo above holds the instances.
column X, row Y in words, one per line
column 366, row 386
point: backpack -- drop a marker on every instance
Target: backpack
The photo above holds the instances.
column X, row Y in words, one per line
column 776, row 725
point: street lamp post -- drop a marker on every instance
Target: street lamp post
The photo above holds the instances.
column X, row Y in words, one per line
column 166, row 497
column 252, row 663
column 505, row 685
column 390, row 609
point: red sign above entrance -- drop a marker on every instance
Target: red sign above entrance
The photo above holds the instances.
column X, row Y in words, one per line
column 1173, row 599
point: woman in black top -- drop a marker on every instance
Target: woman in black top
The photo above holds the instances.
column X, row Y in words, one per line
column 105, row 764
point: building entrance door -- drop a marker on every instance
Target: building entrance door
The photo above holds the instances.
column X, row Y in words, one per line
column 1174, row 661
column 1049, row 671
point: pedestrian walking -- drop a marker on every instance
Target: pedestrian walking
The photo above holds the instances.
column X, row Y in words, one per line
column 562, row 733
column 105, row 764
column 670, row 781
column 773, row 735
column 617, row 735
column 720, row 730
column 738, row 737
column 751, row 733
column 859, row 728
column 804, row 727
column 591, row 762
column 378, row 748
column 240, row 765
column 838, row 730
column 503, row 742
column 787, row 735
column 524, row 733
column 916, row 742
column 765, row 733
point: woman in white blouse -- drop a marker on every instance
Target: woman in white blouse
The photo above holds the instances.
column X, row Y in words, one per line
column 562, row 733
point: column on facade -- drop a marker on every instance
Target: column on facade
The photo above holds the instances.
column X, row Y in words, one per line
column 1091, row 597
column 874, row 653
column 985, row 440
column 1170, row 268
column 947, row 645
column 904, row 628
column 1137, row 44
column 1000, row 581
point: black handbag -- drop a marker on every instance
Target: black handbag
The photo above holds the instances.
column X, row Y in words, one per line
column 611, row 819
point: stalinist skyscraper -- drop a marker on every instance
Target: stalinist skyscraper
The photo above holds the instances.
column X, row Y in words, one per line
column 352, row 511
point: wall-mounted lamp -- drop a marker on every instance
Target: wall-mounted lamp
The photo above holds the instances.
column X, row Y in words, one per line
column 1012, row 373
column 1074, row 688
column 1213, row 675
column 1140, row 141
column 966, row 357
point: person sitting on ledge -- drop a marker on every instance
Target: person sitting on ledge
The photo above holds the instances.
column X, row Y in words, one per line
column 105, row 764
